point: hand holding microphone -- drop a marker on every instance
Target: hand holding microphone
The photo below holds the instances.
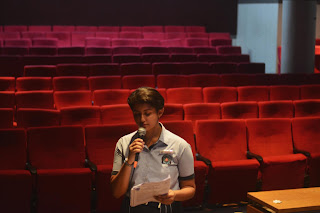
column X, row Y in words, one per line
column 137, row 146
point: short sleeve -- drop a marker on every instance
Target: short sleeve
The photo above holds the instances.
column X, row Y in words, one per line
column 186, row 164
column 118, row 157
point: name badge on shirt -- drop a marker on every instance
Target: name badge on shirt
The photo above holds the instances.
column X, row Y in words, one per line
column 167, row 156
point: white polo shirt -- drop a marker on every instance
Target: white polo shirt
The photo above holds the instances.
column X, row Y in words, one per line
column 153, row 164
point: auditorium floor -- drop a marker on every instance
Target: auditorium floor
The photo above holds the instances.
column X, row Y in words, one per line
column 224, row 209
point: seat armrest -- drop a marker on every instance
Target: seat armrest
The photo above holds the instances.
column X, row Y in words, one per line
column 251, row 155
column 296, row 151
column 205, row 160
column 31, row 168
column 90, row 165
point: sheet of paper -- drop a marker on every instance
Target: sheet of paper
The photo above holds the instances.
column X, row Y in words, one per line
column 145, row 192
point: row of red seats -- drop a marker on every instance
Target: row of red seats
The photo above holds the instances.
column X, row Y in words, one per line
column 108, row 39
column 49, row 99
column 107, row 112
column 60, row 159
column 81, row 28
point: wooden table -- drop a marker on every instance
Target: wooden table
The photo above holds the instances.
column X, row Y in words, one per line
column 292, row 200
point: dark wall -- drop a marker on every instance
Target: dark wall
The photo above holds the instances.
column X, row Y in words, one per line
column 216, row 15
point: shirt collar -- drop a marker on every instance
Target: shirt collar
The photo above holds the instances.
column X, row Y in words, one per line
column 164, row 136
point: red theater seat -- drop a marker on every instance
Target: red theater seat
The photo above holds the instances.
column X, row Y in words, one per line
column 228, row 50
column 126, row 50
column 17, row 42
column 172, row 81
column 28, row 117
column 267, row 79
column 224, row 67
column 70, row 83
column 172, row 112
column 100, row 145
column 39, row 28
column 131, row 29
column 136, row 69
column 98, row 51
column 35, row 99
column 200, row 29
column 7, row 84
column 175, row 35
column 310, row 91
column 306, row 139
column 148, row 42
column 44, row 42
column 15, row 51
column 271, row 139
column 152, row 29
column 72, row 70
column 253, row 93
column 155, row 35
column 104, row 82
column 72, row 51
column 184, row 95
column 72, row 98
column 86, row 28
column 63, row 183
column 155, row 57
column 199, row 50
column 219, row 94
column 126, row 58
column 165, row 68
column 131, row 35
column 197, row 42
column 201, row 111
column 227, row 153
column 306, row 108
column 110, row 96
column 293, row 79
column 78, row 38
column 181, row 57
column 172, row 42
column 197, row 35
column 150, row 49
column 80, row 115
column 251, row 68
column 102, row 69
column 220, row 35
column 210, row 57
column 136, row 81
column 172, row 28
column 40, row 70
column 284, row 93
column 15, row 181
column 239, row 110
column 7, row 99
column 118, row 42
column 33, row 83
column 188, row 68
column 220, row 42
column 64, row 38
column 63, row 28
column 45, row 51
column 275, row 109
column 184, row 130
column 116, row 114
column 204, row 80
column 236, row 80
column 108, row 28
column 109, row 35
column 6, row 115
column 15, row 28
column 10, row 35
column 187, row 50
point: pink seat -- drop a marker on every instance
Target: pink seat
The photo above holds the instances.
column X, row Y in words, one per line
column 110, row 96
column 72, row 98
column 155, row 57
column 172, row 43
column 200, row 50
column 64, row 38
column 72, row 51
column 80, row 115
column 104, row 82
column 275, row 109
column 86, row 28
column 184, row 95
column 78, row 38
column 63, row 28
column 220, row 35
column 15, row 28
column 181, row 57
column 236, row 80
column 197, row 35
column 131, row 29
column 33, row 83
column 118, row 42
column 239, row 110
column 136, row 81
column 116, row 114
column 251, row 68
column 224, row 67
column 17, row 42
column 131, row 35
column 72, row 70
column 198, row 29
column 220, row 42
column 145, row 50
column 70, row 83
column 109, row 35
column 44, row 42
column 219, row 94
column 197, row 42
column 172, row 28
column 228, row 50
column 35, row 99
column 148, row 42
column 126, row 58
column 98, row 51
column 125, row 50
column 210, row 57
column 33, row 34
column 152, row 29
column 32, row 117
column 175, row 35
column 108, row 28
column 45, row 51
column 39, row 28
column 157, row 35
column 306, row 108
column 172, row 81
column 40, row 70
column 10, row 35
column 253, row 93
column 187, row 50
column 102, row 69
column 97, row 42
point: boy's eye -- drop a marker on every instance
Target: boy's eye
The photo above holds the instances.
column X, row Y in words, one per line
column 147, row 114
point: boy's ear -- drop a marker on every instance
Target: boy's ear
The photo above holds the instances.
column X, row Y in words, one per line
column 160, row 113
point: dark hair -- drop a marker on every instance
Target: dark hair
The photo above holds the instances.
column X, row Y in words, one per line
column 146, row 95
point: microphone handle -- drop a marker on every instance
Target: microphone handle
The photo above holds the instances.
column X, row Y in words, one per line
column 137, row 156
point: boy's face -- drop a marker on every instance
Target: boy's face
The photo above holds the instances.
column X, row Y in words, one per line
column 146, row 116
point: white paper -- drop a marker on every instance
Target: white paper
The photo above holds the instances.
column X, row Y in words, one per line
column 145, row 192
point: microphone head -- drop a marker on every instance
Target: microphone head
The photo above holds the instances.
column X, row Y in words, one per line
column 142, row 132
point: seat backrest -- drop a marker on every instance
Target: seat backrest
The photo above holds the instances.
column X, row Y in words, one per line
column 72, row 98
column 13, row 153
column 80, row 115
column 6, row 115
column 70, row 83
column 172, row 81
column 15, row 28
column 78, row 38
column 224, row 67
column 101, row 141
column 125, row 50
column 253, row 93
column 251, row 68
column 219, row 94
column 136, row 81
column 56, row 147
column 284, row 93
column 275, row 109
column 193, row 68
column 184, row 130
column 33, row 83
column 270, row 137
column 28, row 117
column 110, row 96
column 97, row 42
column 172, row 112
column 199, row 29
column 35, row 99
column 184, row 95
column 86, row 28
column 7, row 99
column 44, row 42
column 310, row 91
column 222, row 140
column 228, row 50
column 235, row 80
column 108, row 28
column 40, row 28
column 72, row 70
column 17, row 42
column 136, row 69
column 131, row 29
column 204, row 80
column 165, row 68
column 116, row 114
column 7, row 84
column 63, row 28
column 239, row 110
column 102, row 69
column 104, row 82
column 306, row 134
column 131, row 35
column 306, row 108
column 196, row 42
column 64, row 38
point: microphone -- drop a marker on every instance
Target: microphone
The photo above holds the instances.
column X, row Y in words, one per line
column 141, row 134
